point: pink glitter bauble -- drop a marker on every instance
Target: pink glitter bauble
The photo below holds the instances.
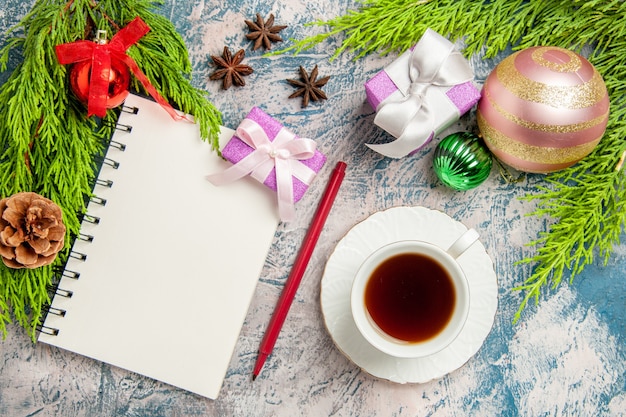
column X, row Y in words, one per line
column 543, row 109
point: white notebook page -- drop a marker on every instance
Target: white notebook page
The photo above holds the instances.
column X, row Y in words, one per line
column 174, row 262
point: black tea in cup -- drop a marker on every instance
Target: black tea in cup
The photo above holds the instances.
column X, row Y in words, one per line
column 410, row 296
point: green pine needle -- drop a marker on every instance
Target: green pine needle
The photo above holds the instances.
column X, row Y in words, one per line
column 586, row 202
column 47, row 143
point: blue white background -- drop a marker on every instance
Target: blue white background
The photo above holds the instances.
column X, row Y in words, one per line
column 565, row 357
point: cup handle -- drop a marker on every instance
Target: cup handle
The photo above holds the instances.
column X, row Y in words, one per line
column 466, row 240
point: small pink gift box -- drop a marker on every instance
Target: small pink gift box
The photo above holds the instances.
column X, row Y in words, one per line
column 236, row 149
column 433, row 76
column 274, row 156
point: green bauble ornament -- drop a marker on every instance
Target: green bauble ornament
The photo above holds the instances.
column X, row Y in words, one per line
column 462, row 161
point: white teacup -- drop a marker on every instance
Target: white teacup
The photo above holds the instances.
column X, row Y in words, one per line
column 411, row 298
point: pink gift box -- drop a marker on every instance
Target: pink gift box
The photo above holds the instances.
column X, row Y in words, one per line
column 381, row 86
column 236, row 149
column 449, row 92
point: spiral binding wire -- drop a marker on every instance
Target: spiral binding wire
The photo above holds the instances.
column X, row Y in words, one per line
column 85, row 237
column 54, row 290
column 104, row 183
column 70, row 274
column 91, row 219
column 117, row 145
column 98, row 200
column 56, row 311
column 123, row 127
column 47, row 330
column 48, row 309
column 131, row 110
column 78, row 255
column 113, row 164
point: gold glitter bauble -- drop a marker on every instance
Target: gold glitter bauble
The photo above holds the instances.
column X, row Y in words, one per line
column 543, row 109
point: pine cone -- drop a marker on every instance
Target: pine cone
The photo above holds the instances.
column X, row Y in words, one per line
column 31, row 230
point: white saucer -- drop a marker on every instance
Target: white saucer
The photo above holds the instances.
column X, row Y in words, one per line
column 401, row 223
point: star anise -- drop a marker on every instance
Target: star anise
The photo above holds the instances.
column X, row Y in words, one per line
column 309, row 86
column 263, row 33
column 232, row 70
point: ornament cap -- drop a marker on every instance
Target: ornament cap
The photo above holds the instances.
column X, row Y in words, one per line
column 101, row 37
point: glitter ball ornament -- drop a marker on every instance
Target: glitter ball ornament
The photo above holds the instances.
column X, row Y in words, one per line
column 119, row 81
column 543, row 109
column 461, row 161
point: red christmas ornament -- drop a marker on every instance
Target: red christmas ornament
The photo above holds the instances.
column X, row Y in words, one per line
column 101, row 65
column 119, row 81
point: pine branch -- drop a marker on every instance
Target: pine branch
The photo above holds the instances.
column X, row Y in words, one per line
column 39, row 131
column 586, row 202
column 385, row 26
column 48, row 144
column 589, row 200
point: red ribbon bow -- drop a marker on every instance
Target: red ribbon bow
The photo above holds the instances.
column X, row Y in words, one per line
column 100, row 55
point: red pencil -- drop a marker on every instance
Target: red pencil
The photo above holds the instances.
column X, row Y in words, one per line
column 299, row 266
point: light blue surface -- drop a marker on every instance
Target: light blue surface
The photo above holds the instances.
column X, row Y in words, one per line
column 566, row 357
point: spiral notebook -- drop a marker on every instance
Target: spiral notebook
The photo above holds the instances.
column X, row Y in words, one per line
column 162, row 276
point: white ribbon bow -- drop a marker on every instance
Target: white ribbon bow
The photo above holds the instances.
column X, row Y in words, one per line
column 283, row 153
column 433, row 62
